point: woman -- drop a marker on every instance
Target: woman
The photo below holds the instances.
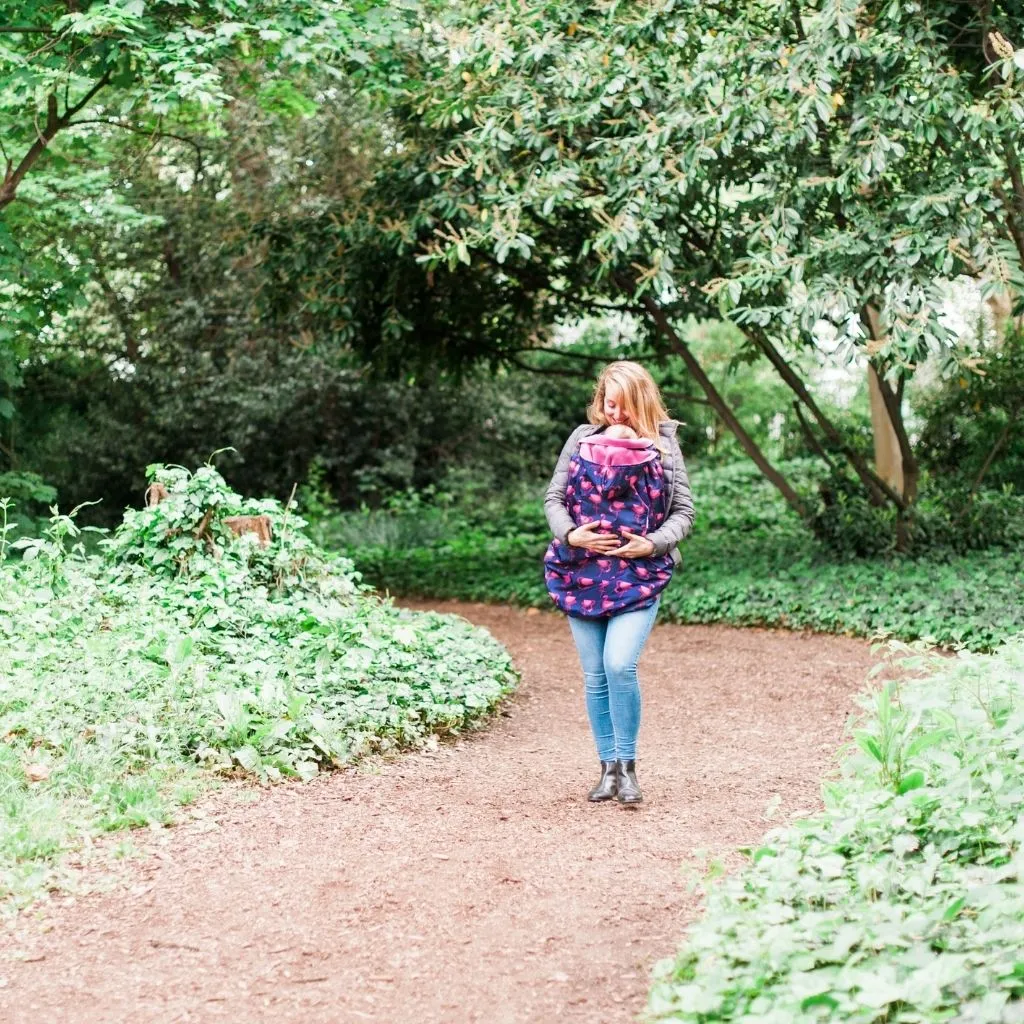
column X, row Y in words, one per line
column 609, row 645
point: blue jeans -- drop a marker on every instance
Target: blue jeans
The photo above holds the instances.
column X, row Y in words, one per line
column 609, row 650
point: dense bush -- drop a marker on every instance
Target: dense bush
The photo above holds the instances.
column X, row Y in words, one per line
column 185, row 648
column 972, row 424
column 749, row 561
column 948, row 517
column 90, row 434
column 903, row 900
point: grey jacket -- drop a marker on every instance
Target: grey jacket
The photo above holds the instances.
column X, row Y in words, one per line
column 679, row 520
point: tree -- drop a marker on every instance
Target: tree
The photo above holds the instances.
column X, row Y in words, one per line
column 150, row 67
column 789, row 165
column 90, row 92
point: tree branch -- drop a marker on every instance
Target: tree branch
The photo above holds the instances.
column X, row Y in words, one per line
column 567, row 355
column 716, row 401
column 683, row 397
column 879, row 489
column 812, row 441
column 548, row 371
column 797, row 21
column 990, row 458
column 54, row 123
column 99, row 84
column 1013, row 165
column 1011, row 220
column 154, row 133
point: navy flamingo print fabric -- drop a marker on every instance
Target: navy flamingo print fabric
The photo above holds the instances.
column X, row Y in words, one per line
column 590, row 585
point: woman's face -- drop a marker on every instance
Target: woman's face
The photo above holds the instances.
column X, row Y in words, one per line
column 613, row 404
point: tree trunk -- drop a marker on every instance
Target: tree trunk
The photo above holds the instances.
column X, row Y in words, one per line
column 888, row 462
column 718, row 403
column 893, row 452
column 45, row 134
column 878, row 488
column 894, row 456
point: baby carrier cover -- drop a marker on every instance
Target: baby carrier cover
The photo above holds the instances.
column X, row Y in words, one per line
column 600, row 488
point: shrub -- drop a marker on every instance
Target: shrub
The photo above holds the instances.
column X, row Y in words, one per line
column 749, row 561
column 902, row 901
column 184, row 652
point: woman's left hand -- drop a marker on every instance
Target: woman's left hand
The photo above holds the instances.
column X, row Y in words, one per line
column 635, row 546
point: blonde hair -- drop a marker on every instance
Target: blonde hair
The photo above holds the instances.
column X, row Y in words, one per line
column 640, row 399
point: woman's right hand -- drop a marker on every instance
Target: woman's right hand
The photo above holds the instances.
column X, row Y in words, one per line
column 586, row 536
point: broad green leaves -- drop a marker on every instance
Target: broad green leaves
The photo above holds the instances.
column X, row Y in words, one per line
column 129, row 59
column 788, row 164
column 902, row 900
column 125, row 686
column 95, row 97
column 749, row 562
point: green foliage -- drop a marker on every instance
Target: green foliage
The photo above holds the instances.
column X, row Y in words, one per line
column 946, row 518
column 99, row 101
column 25, row 487
column 902, row 900
column 748, row 562
column 130, row 680
column 820, row 177
column 93, row 432
column 187, row 537
column 138, row 281
column 973, row 425
column 784, row 161
column 27, row 496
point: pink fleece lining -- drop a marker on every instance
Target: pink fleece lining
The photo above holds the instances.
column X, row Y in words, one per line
column 618, row 451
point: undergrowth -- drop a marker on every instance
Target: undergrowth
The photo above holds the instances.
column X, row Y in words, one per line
column 183, row 652
column 901, row 902
column 749, row 561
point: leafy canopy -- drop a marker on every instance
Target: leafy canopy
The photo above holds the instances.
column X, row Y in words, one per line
column 791, row 164
column 89, row 90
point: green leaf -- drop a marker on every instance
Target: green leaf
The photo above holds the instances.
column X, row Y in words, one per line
column 248, row 757
column 912, row 780
column 870, row 746
column 954, row 908
column 822, row 999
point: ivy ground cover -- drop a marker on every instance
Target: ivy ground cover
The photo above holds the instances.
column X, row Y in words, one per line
column 903, row 901
column 130, row 679
column 749, row 561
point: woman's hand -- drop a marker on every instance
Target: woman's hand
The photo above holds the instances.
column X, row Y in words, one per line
column 586, row 536
column 636, row 546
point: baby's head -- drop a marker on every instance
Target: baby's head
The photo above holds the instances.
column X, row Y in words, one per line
column 620, row 430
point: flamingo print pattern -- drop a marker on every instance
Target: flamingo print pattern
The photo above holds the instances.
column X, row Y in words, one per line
column 589, row 585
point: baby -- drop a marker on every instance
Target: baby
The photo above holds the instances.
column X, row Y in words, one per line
column 617, row 445
column 616, row 479
column 619, row 430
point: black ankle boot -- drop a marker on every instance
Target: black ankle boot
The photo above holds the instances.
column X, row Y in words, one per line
column 626, row 784
column 606, row 786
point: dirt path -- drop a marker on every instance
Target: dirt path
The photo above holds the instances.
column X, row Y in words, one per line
column 471, row 883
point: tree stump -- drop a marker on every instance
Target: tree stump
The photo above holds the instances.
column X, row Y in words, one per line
column 155, row 493
column 259, row 525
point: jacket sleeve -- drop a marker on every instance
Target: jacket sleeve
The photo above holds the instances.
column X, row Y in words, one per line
column 554, row 498
column 679, row 521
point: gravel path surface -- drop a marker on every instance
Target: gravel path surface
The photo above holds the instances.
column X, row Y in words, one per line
column 469, row 883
